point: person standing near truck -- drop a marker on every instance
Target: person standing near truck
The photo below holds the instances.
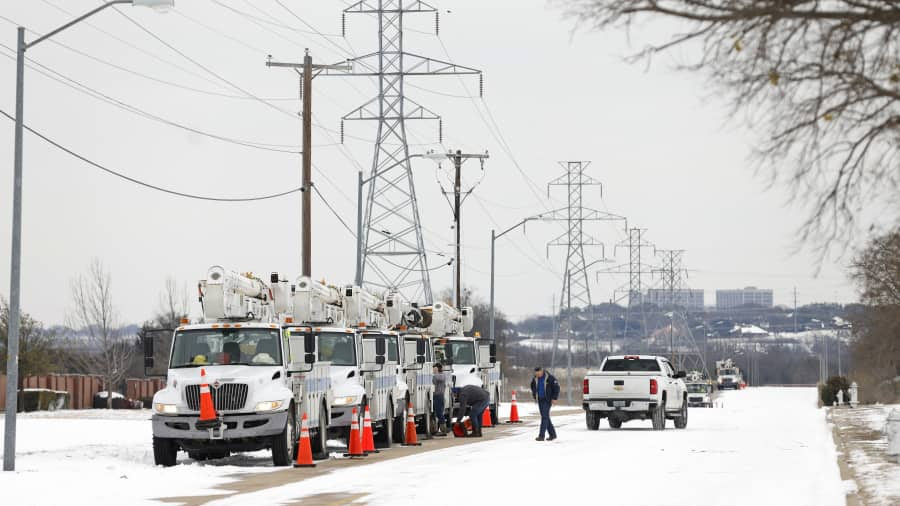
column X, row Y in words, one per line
column 478, row 399
column 439, row 379
column 545, row 390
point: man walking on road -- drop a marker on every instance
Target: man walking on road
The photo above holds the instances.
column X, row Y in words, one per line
column 545, row 390
column 479, row 399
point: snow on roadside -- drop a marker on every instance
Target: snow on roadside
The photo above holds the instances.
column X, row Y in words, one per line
column 99, row 457
column 767, row 446
column 862, row 430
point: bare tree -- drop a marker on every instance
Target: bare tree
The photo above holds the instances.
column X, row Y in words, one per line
column 173, row 304
column 819, row 80
column 105, row 351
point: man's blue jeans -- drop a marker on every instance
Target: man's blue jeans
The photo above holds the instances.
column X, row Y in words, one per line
column 546, row 425
column 477, row 412
column 439, row 408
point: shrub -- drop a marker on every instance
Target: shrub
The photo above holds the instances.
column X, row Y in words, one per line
column 828, row 391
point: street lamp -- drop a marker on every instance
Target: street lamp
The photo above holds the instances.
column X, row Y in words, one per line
column 12, row 363
column 494, row 237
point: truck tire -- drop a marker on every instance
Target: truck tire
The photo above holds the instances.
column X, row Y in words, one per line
column 386, row 435
column 495, row 409
column 320, row 440
column 592, row 420
column 283, row 444
column 165, row 451
column 400, row 424
column 659, row 416
column 682, row 419
column 614, row 422
column 426, row 420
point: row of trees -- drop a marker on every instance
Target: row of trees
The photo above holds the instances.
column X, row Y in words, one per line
column 94, row 340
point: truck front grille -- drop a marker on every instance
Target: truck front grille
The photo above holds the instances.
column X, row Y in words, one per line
column 228, row 397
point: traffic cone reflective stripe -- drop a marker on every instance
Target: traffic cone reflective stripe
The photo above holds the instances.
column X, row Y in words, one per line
column 208, row 416
column 354, row 443
column 514, row 410
column 368, row 439
column 486, row 417
column 411, row 427
column 304, row 450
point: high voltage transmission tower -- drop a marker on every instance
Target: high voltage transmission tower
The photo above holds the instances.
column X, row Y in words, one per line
column 393, row 251
column 683, row 350
column 636, row 270
column 576, row 290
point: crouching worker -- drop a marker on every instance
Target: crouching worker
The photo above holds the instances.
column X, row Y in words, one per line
column 476, row 398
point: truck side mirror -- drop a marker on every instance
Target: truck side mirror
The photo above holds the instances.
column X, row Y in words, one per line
column 148, row 352
column 680, row 374
column 380, row 350
column 493, row 353
column 420, row 351
column 309, row 343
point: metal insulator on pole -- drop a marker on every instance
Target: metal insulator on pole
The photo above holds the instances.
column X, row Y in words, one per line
column 481, row 85
column 440, row 131
column 342, row 131
column 343, row 24
column 437, row 23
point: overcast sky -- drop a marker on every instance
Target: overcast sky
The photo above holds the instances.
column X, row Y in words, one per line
column 669, row 156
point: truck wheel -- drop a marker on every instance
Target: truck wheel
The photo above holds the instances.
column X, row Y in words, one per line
column 386, row 434
column 682, row 419
column 283, row 444
column 198, row 456
column 495, row 409
column 659, row 416
column 592, row 420
column 164, row 451
column 320, row 440
column 614, row 422
column 426, row 420
column 400, row 424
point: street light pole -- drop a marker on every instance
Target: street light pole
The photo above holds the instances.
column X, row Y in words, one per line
column 15, row 271
column 494, row 237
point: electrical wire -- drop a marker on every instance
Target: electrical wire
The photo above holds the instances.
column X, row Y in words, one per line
column 143, row 183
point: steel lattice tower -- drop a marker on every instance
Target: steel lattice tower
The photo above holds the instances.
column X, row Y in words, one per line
column 576, row 290
column 683, row 349
column 393, row 255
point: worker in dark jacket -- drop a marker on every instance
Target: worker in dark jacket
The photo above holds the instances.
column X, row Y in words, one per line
column 478, row 399
column 545, row 390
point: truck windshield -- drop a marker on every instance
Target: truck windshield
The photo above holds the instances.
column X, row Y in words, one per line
column 391, row 342
column 231, row 346
column 726, row 372
column 459, row 352
column 631, row 365
column 697, row 388
column 339, row 348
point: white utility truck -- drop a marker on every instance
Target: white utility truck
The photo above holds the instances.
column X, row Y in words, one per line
column 259, row 381
column 728, row 375
column 699, row 394
column 350, row 331
column 470, row 360
column 635, row 387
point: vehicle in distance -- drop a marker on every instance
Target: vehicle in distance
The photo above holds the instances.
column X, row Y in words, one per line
column 635, row 387
column 699, row 394
column 728, row 375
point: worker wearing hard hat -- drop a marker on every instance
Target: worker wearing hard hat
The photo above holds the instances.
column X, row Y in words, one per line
column 476, row 398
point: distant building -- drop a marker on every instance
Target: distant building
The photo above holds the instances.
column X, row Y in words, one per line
column 728, row 299
column 687, row 298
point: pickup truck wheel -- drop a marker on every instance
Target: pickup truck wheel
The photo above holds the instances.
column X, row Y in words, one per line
column 164, row 451
column 682, row 419
column 400, row 424
column 659, row 416
column 283, row 444
column 614, row 422
column 320, row 440
column 592, row 420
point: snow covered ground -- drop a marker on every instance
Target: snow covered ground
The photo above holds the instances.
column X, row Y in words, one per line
column 865, row 444
column 766, row 446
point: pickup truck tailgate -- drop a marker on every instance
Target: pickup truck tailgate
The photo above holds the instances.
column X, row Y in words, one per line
column 618, row 386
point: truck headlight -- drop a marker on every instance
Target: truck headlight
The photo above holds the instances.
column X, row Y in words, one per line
column 346, row 401
column 165, row 409
column 268, row 405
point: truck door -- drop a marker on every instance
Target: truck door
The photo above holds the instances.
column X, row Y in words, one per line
column 673, row 392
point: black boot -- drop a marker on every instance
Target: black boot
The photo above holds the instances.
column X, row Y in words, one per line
column 476, row 432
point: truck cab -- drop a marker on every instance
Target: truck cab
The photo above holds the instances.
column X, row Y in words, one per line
column 699, row 394
column 259, row 388
column 471, row 361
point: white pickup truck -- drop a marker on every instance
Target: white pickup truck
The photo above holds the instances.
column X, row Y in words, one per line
column 635, row 387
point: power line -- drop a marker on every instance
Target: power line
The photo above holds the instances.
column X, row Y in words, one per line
column 142, row 183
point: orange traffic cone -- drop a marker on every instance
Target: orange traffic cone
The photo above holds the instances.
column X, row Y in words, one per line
column 486, row 417
column 304, row 450
column 368, row 440
column 514, row 410
column 411, row 428
column 208, row 418
column 354, row 443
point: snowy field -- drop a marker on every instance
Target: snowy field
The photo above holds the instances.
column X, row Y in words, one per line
column 766, row 446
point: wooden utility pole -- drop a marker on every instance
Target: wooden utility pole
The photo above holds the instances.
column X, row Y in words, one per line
column 308, row 72
column 458, row 158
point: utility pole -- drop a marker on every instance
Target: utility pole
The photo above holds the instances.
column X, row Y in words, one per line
column 306, row 78
column 458, row 158
column 393, row 251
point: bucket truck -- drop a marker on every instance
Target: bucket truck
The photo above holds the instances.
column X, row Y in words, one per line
column 260, row 380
